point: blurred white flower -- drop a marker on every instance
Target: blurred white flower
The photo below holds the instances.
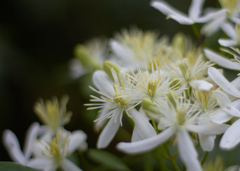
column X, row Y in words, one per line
column 53, row 114
column 11, row 144
column 51, row 154
column 194, row 16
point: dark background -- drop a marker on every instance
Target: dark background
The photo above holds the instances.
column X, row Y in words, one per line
column 37, row 38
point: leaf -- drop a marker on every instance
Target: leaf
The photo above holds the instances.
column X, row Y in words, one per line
column 11, row 166
column 107, row 159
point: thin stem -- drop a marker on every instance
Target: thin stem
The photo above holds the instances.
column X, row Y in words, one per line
column 204, row 158
column 171, row 159
column 195, row 30
column 155, row 126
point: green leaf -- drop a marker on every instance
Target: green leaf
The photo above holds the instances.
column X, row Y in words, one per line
column 107, row 159
column 11, row 166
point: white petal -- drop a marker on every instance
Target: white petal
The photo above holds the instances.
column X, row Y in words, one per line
column 236, row 83
column 164, row 123
column 219, row 116
column 229, row 29
column 135, row 135
column 121, row 51
column 39, row 162
column 142, row 125
column 212, row 15
column 52, row 167
column 207, row 141
column 187, row 151
column 231, row 137
column 211, row 27
column 236, row 20
column 220, row 60
column 32, row 133
column 209, row 129
column 182, row 20
column 233, row 168
column 102, row 82
column 195, row 9
column 108, row 133
column 100, row 123
column 166, row 9
column 227, row 42
column 11, row 143
column 75, row 140
column 222, row 82
column 226, row 104
column 146, row 144
column 68, row 165
column 201, row 85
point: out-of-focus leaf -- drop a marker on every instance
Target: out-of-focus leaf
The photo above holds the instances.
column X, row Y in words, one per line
column 107, row 159
column 11, row 166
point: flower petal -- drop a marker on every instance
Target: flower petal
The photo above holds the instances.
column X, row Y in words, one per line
column 212, row 15
column 220, row 60
column 142, row 125
column 231, row 137
column 102, row 82
column 201, row 85
column 146, row 144
column 209, row 129
column 181, row 19
column 121, row 51
column 229, row 29
column 108, row 133
column 30, row 139
column 206, row 141
column 135, row 135
column 68, row 165
column 213, row 26
column 226, row 104
column 222, row 82
column 235, row 20
column 187, row 151
column 166, row 9
column 219, row 116
column 195, row 8
column 75, row 140
column 227, row 42
column 11, row 143
column 39, row 162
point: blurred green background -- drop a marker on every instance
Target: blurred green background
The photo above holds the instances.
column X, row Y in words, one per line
column 37, row 38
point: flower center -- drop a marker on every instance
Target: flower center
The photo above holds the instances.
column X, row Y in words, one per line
column 152, row 85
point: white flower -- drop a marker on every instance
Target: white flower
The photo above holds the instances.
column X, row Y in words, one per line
column 221, row 21
column 53, row 114
column 116, row 97
column 11, row 143
column 192, row 73
column 51, row 154
column 176, row 118
column 234, row 35
column 154, row 85
column 195, row 11
column 137, row 48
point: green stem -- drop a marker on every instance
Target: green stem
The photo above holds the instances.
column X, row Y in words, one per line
column 155, row 126
column 195, row 30
column 171, row 160
column 204, row 158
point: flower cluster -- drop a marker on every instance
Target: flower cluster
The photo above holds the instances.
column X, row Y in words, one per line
column 48, row 145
